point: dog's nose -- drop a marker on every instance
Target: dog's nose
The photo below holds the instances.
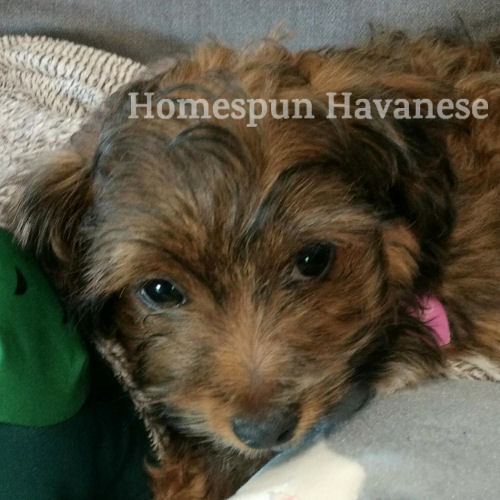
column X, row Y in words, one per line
column 275, row 428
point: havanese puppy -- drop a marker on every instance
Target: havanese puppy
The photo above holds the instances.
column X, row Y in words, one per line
column 254, row 271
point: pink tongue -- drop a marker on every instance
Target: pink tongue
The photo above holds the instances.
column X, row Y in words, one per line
column 434, row 316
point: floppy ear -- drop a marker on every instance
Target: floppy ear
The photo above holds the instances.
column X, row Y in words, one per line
column 50, row 206
column 399, row 166
column 54, row 198
column 402, row 169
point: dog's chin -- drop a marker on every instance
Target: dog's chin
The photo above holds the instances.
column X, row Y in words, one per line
column 335, row 416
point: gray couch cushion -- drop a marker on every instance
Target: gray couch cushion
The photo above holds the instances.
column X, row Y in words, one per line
column 148, row 29
column 436, row 442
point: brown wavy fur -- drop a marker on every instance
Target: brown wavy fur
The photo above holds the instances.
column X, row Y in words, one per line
column 222, row 209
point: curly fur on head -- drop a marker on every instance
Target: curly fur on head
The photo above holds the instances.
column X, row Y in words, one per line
column 224, row 211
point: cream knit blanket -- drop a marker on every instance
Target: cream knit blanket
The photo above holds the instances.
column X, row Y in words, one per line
column 47, row 88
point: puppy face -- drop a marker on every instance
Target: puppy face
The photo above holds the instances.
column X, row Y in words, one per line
column 247, row 272
column 238, row 298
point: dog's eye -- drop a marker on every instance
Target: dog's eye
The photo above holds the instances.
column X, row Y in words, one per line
column 161, row 293
column 314, row 261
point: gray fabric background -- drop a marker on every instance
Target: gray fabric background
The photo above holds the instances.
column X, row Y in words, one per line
column 439, row 441
column 149, row 29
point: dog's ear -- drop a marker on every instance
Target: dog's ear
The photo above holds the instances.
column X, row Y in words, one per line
column 399, row 166
column 403, row 170
column 51, row 203
column 54, row 197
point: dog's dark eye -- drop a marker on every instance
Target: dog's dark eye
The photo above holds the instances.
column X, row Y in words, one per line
column 161, row 293
column 314, row 261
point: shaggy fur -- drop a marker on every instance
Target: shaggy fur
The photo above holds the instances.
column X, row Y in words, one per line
column 223, row 209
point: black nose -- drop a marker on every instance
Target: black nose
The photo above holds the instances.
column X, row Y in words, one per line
column 275, row 428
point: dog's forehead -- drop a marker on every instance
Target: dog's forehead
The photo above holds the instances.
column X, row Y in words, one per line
column 214, row 195
column 212, row 171
column 202, row 176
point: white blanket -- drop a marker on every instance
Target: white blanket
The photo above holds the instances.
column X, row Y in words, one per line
column 47, row 88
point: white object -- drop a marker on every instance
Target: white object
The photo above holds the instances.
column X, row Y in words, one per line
column 317, row 473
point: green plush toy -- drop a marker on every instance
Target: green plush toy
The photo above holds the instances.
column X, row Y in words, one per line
column 44, row 376
column 67, row 430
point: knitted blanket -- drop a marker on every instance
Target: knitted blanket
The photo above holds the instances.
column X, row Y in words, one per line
column 47, row 89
